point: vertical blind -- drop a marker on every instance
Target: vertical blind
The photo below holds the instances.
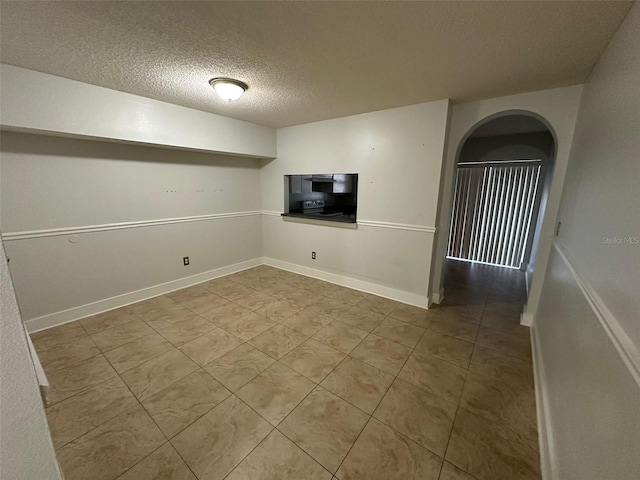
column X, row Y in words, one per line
column 492, row 211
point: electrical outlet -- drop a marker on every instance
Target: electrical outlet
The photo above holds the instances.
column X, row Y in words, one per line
column 185, row 260
column 313, row 255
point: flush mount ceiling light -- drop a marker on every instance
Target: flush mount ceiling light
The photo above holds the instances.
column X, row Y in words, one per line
column 228, row 88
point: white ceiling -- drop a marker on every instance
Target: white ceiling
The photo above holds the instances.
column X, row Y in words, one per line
column 308, row 61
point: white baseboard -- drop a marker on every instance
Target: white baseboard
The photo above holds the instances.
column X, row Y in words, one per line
column 526, row 318
column 409, row 298
column 438, row 297
column 528, row 277
column 545, row 439
column 76, row 313
column 82, row 311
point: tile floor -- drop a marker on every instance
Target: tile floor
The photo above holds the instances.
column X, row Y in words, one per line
column 265, row 374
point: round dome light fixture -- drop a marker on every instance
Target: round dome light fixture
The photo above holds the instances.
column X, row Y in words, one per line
column 228, row 89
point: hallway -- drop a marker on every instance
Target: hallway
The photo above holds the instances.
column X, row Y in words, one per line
column 255, row 376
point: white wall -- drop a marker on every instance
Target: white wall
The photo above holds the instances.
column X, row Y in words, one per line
column 40, row 103
column 398, row 155
column 559, row 107
column 26, row 449
column 88, row 221
column 587, row 329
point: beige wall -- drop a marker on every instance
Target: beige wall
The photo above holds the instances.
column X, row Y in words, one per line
column 397, row 154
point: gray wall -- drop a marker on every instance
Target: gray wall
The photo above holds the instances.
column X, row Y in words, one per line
column 587, row 330
column 56, row 183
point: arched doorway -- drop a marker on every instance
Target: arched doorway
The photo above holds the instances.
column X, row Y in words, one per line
column 504, row 166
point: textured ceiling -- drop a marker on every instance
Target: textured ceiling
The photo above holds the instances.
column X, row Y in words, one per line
column 308, row 61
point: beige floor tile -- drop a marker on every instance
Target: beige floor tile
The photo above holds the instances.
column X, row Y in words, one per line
column 348, row 295
column 182, row 403
column 340, row 336
column 382, row 353
column 329, row 306
column 466, row 313
column 113, row 318
column 420, row 317
column 307, row 321
column 76, row 415
column 493, row 362
column 195, row 410
column 276, row 289
column 313, row 359
column 163, row 464
column 151, row 305
column 186, row 294
column 278, row 311
column 53, row 337
column 399, row 332
column 446, row 347
column 502, row 400
column 325, row 426
column 248, row 326
column 233, row 291
column 450, row 472
column 302, row 298
column 275, row 392
column 278, row 341
column 378, row 304
column 218, row 283
column 256, row 300
column 112, row 448
column 168, row 315
column 293, row 278
column 491, row 452
column 277, row 458
column 115, row 336
column 226, row 314
column 434, row 375
column 67, row 354
column 239, row 366
column 185, row 331
column 455, row 327
column 205, row 302
column 516, row 343
column 358, row 383
column 217, row 442
column 150, row 377
column 380, row 453
column 424, row 418
column 361, row 318
column 139, row 351
column 210, row 346
column 327, row 289
column 78, row 377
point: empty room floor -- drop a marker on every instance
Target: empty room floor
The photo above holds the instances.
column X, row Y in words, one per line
column 266, row 374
